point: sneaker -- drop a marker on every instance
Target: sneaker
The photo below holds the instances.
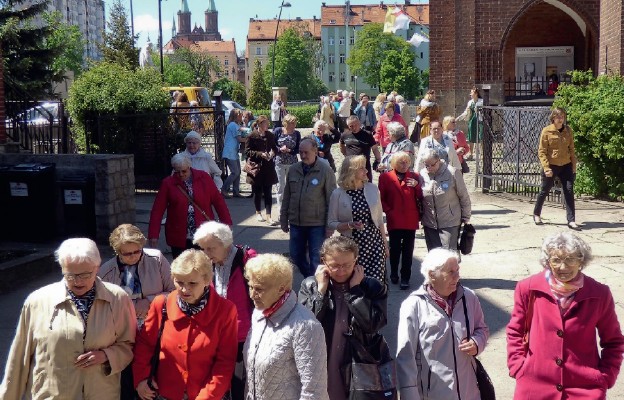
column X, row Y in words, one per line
column 404, row 285
column 259, row 218
column 273, row 223
column 226, row 195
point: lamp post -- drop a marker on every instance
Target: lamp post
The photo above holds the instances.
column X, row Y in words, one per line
column 284, row 4
column 355, row 84
column 160, row 40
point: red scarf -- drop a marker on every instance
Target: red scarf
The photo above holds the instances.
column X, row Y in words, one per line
column 446, row 305
column 564, row 291
column 278, row 304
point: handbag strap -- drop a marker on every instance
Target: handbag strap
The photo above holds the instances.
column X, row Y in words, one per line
column 156, row 356
column 466, row 315
column 197, row 207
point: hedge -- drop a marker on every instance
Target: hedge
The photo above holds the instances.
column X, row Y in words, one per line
column 304, row 114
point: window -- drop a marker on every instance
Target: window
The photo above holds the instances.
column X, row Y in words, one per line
column 342, row 59
column 342, row 77
column 331, row 40
column 332, row 76
column 331, row 59
column 421, row 55
column 332, row 22
column 352, row 78
column 352, row 40
column 342, row 40
column 226, row 62
column 258, row 51
column 227, row 72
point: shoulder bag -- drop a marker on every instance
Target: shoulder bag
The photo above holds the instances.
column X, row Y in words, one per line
column 197, row 207
column 486, row 387
column 371, row 375
column 155, row 360
column 466, row 240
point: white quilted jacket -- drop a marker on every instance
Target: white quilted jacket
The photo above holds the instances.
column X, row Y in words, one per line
column 285, row 355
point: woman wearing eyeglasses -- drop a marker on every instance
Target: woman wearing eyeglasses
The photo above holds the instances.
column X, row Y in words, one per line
column 343, row 300
column 552, row 347
column 74, row 337
column 446, row 202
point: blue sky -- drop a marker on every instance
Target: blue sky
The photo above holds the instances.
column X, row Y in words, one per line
column 233, row 15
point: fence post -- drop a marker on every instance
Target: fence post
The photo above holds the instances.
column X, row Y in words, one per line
column 487, row 139
column 518, row 141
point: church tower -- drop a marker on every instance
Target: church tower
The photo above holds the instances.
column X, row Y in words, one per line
column 212, row 21
column 184, row 18
column 173, row 28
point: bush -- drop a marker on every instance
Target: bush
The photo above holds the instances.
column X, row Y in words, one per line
column 595, row 112
column 304, row 114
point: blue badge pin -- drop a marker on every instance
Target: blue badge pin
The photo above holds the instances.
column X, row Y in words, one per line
column 314, row 182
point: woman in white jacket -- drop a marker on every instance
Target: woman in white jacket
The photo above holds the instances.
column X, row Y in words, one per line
column 441, row 142
column 201, row 159
column 435, row 358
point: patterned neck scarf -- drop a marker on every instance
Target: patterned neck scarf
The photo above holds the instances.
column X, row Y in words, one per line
column 130, row 280
column 83, row 303
column 190, row 216
column 278, row 304
column 192, row 309
column 564, row 291
column 446, row 305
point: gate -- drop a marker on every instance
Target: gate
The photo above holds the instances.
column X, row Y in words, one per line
column 508, row 161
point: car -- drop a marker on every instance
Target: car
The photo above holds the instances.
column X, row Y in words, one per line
column 194, row 93
column 227, row 106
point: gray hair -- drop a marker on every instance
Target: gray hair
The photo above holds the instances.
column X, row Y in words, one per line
column 435, row 260
column 352, row 118
column 310, row 140
column 431, row 154
column 396, row 129
column 399, row 99
column 180, row 160
column 78, row 250
column 565, row 242
column 320, row 123
column 339, row 244
column 216, row 229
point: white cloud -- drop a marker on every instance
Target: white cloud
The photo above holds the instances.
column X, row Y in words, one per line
column 147, row 23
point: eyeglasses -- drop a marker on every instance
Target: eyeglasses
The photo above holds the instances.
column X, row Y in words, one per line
column 344, row 267
column 431, row 165
column 75, row 277
column 131, row 253
column 572, row 261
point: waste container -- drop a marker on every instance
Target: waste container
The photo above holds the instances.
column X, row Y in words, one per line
column 78, row 207
column 29, row 202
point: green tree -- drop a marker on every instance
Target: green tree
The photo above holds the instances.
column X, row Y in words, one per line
column 595, row 112
column 176, row 74
column 370, row 49
column 239, row 93
column 232, row 90
column 27, row 58
column 259, row 92
column 118, row 44
column 202, row 64
column 70, row 40
column 399, row 73
column 294, row 65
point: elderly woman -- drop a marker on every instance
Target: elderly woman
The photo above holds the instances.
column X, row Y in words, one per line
column 201, row 159
column 398, row 142
column 285, row 353
column 278, row 111
column 260, row 150
column 441, row 142
column 74, row 337
column 355, row 211
column 287, row 140
column 552, row 346
column 435, row 352
column 344, row 301
column 327, row 112
column 188, row 197
column 449, row 124
column 382, row 135
column 228, row 261
column 233, row 138
column 325, row 136
column 426, row 112
column 446, row 202
column 198, row 342
column 475, row 122
column 558, row 159
column 401, row 199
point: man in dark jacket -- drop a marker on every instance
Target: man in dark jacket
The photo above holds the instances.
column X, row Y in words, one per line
column 344, row 301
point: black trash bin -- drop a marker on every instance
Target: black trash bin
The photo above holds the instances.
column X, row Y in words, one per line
column 29, row 200
column 78, row 207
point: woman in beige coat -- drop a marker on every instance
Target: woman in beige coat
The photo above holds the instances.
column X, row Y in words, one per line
column 74, row 337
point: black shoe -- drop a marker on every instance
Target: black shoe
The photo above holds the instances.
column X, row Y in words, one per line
column 404, row 285
column 394, row 279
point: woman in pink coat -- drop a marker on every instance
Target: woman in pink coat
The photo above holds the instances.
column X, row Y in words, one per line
column 557, row 313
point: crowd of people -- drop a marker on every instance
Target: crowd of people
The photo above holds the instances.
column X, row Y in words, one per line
column 223, row 322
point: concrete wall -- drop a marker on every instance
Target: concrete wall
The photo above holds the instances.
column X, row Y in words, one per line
column 113, row 176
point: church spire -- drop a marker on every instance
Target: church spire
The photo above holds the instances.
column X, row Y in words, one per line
column 184, row 8
column 173, row 27
column 211, row 6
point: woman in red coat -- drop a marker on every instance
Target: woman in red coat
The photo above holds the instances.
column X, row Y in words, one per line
column 183, row 218
column 401, row 195
column 199, row 337
column 559, row 311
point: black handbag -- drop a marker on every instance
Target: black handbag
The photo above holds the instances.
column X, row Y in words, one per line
column 155, row 360
column 466, row 240
column 486, row 387
column 371, row 375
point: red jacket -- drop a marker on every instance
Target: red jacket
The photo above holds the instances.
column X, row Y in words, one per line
column 399, row 201
column 381, row 132
column 197, row 354
column 170, row 198
column 563, row 360
column 238, row 291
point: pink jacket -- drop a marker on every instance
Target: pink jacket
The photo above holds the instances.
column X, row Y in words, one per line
column 563, row 360
column 381, row 133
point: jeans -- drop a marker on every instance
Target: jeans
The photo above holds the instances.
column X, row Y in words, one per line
column 442, row 237
column 233, row 177
column 281, row 170
column 566, row 176
column 310, row 237
column 401, row 248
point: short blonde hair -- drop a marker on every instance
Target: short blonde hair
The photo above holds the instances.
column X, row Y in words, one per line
column 288, row 118
column 192, row 260
column 381, row 97
column 270, row 269
column 346, row 175
column 389, row 106
column 399, row 156
column 126, row 233
column 447, row 121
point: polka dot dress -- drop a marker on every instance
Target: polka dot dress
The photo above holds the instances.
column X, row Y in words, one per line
column 372, row 256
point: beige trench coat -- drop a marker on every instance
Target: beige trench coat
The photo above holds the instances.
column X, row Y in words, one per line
column 49, row 337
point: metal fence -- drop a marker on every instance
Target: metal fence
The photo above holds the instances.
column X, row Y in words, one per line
column 507, row 159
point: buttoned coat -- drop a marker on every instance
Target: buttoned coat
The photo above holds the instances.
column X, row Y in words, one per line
column 446, row 202
column 49, row 337
column 563, row 359
column 400, row 202
column 197, row 354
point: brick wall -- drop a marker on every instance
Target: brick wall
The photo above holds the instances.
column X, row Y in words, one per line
column 611, row 38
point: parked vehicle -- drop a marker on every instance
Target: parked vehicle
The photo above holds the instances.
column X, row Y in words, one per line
column 194, row 93
column 227, row 106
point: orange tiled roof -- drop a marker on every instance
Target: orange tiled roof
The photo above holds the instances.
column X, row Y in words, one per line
column 364, row 14
column 216, row 46
column 264, row 29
